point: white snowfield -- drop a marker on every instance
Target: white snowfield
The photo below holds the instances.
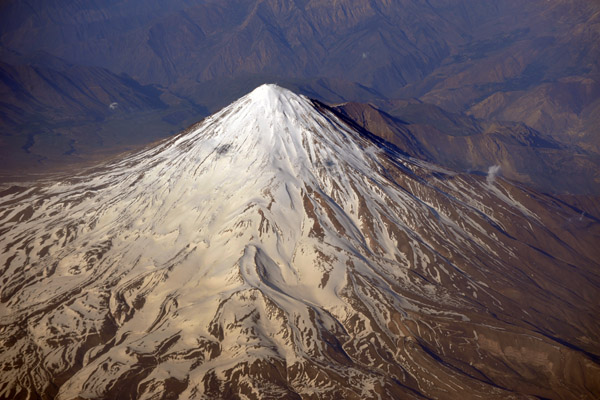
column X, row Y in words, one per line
column 273, row 233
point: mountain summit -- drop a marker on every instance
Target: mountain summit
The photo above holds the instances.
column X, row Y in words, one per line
column 275, row 250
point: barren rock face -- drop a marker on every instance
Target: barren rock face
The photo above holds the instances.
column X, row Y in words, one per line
column 275, row 251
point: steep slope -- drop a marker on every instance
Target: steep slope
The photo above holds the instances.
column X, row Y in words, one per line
column 467, row 144
column 274, row 251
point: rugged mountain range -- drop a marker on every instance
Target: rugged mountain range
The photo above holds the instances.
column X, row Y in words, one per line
column 468, row 144
column 535, row 64
column 275, row 250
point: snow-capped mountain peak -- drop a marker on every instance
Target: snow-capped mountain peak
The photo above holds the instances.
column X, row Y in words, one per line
column 273, row 97
column 272, row 250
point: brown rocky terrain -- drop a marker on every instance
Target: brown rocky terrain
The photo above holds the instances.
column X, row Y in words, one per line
column 542, row 71
column 462, row 143
column 567, row 109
